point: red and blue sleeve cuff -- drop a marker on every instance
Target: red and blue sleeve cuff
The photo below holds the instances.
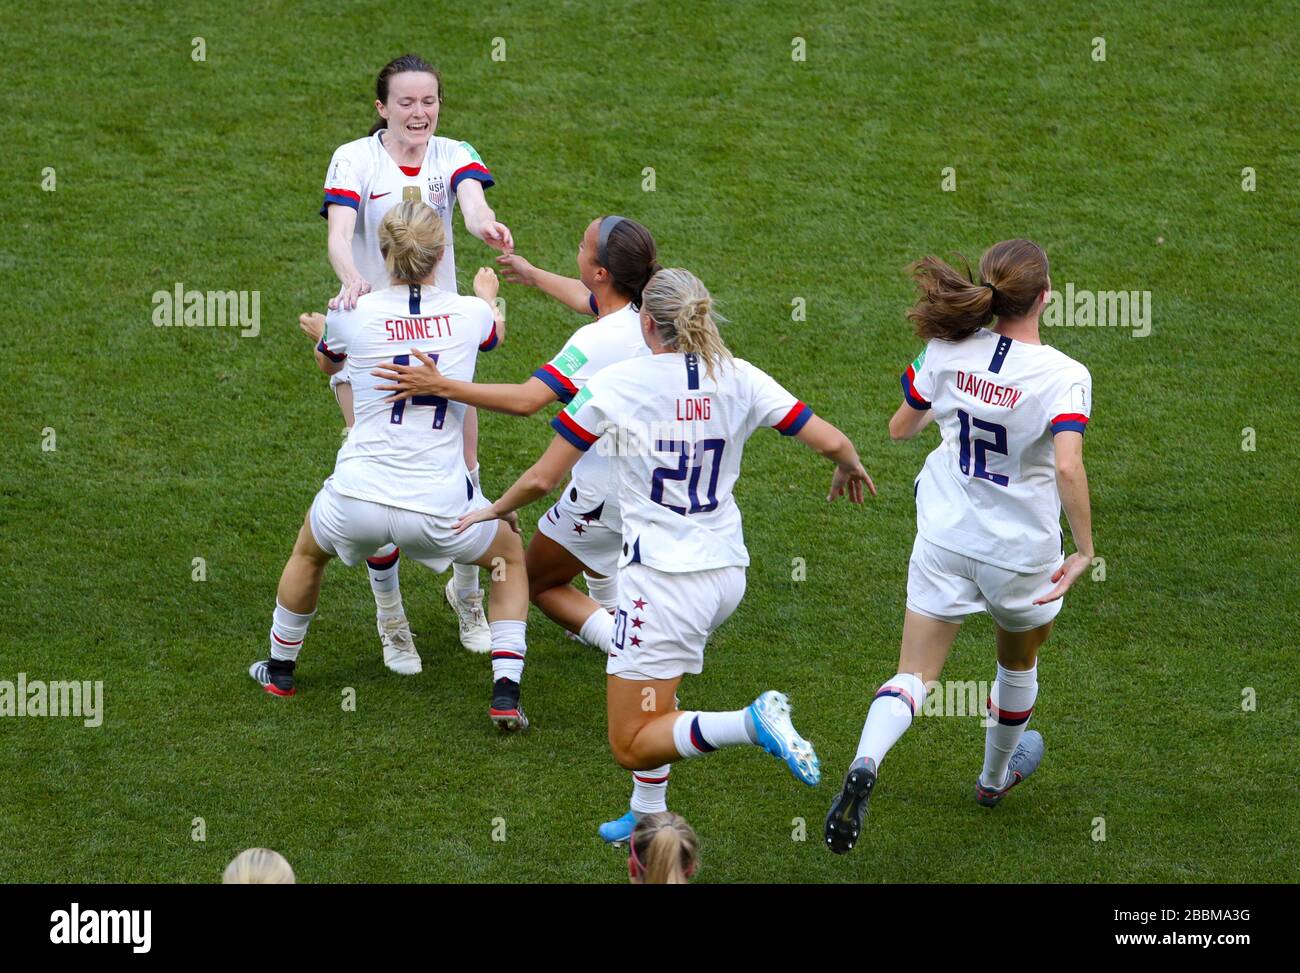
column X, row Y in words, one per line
column 591, row 299
column 342, row 197
column 1069, row 422
column 492, row 340
column 795, row 419
column 324, row 350
column 574, row 433
column 552, row 378
column 910, row 394
column 472, row 171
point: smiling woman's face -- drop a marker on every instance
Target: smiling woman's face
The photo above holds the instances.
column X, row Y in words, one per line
column 412, row 107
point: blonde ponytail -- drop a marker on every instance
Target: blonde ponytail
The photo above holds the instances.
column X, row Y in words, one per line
column 665, row 848
column 682, row 310
column 412, row 240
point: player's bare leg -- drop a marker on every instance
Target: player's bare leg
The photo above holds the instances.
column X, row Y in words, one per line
column 1011, row 751
column 551, row 570
column 463, row 592
column 295, row 604
column 507, row 612
column 926, row 644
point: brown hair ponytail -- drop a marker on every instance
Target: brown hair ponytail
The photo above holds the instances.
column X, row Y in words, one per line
column 952, row 306
column 398, row 65
column 630, row 257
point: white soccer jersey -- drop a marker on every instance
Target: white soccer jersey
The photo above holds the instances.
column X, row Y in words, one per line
column 989, row 490
column 614, row 338
column 364, row 176
column 407, row 454
column 676, row 438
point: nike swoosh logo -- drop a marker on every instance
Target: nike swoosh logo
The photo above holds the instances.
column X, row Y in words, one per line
column 380, row 195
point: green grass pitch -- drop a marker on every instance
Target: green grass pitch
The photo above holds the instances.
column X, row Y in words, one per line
column 775, row 179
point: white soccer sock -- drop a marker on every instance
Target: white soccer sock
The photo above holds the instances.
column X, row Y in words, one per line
column 508, row 650
column 383, row 568
column 891, row 713
column 1011, row 701
column 650, row 790
column 288, row 629
column 604, row 591
column 598, row 630
column 695, row 734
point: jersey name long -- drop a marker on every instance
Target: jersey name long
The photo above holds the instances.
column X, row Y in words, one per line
column 989, row 490
column 613, row 338
column 364, row 176
column 407, row 454
column 676, row 438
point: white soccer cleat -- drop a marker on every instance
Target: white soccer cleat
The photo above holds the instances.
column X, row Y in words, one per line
column 399, row 647
column 474, row 632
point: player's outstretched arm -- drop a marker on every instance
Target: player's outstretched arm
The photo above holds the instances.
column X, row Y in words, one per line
column 342, row 224
column 1072, row 484
column 539, row 480
column 569, row 291
column 820, row 436
column 480, row 220
column 907, row 422
column 424, row 379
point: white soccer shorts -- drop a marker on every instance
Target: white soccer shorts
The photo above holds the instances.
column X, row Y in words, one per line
column 947, row 586
column 354, row 529
column 581, row 533
column 664, row 620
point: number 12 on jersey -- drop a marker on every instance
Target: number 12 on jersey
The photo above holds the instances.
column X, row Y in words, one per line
column 982, row 447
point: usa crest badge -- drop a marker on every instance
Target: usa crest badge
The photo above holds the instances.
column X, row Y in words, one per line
column 438, row 191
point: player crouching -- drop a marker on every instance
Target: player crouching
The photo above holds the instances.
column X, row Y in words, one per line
column 401, row 477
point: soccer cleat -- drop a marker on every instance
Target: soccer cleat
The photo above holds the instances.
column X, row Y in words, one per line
column 619, row 831
column 505, row 711
column 274, row 675
column 770, row 714
column 844, row 822
column 1028, row 755
column 399, row 647
column 474, row 632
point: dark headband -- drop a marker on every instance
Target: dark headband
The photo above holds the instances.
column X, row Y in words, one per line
column 602, row 240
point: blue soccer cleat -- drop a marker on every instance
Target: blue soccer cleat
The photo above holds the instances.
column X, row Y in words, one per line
column 1028, row 755
column 770, row 714
column 619, row 831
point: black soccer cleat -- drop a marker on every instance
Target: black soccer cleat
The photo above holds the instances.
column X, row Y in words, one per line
column 844, row 822
column 274, row 675
column 505, row 710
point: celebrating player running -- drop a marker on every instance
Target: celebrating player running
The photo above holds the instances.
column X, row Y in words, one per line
column 676, row 422
column 1012, row 412
column 401, row 478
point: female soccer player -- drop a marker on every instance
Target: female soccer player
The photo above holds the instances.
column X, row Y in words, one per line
column 402, row 159
column 1011, row 412
column 678, row 420
column 401, row 478
column 663, row 850
column 581, row 533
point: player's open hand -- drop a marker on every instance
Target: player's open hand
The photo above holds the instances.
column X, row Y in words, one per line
column 346, row 299
column 411, row 380
column 313, row 325
column 496, row 235
column 477, row 517
column 486, row 284
column 1065, row 576
column 850, row 479
column 516, row 270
